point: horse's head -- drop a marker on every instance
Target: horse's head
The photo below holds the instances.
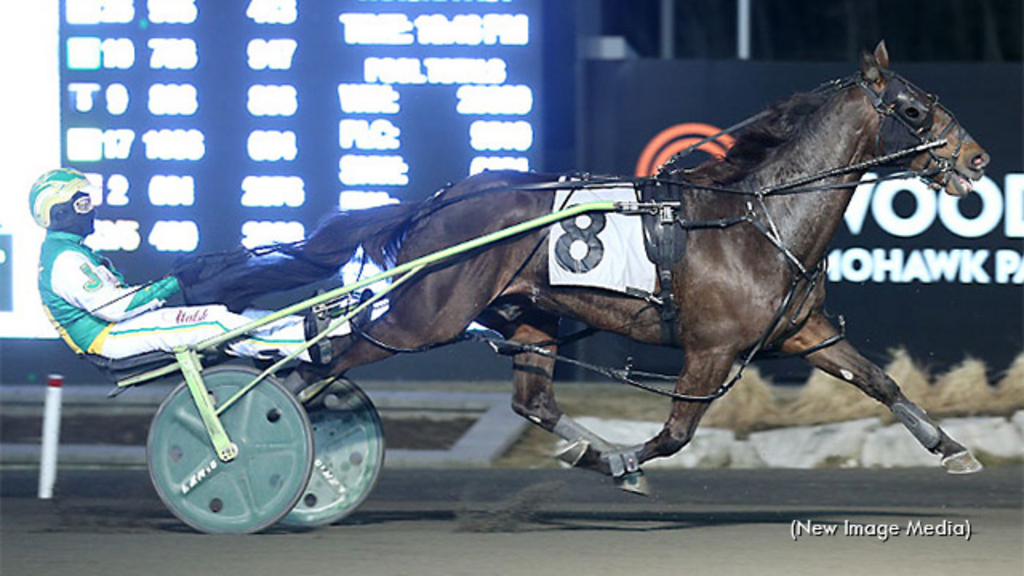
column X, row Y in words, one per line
column 910, row 117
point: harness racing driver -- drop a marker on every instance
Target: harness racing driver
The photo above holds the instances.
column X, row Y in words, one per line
column 96, row 312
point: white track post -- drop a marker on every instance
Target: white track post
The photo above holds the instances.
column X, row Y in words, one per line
column 51, row 436
column 743, row 29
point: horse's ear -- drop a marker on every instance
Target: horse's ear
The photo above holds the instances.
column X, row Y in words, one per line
column 871, row 65
column 882, row 55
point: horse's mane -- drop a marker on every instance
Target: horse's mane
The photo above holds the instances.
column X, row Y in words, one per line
column 783, row 122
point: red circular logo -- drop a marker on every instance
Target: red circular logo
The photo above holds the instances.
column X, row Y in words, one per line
column 675, row 139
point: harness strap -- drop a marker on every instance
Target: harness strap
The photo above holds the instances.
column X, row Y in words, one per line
column 668, row 245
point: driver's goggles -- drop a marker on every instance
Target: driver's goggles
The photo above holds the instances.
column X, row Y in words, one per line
column 82, row 204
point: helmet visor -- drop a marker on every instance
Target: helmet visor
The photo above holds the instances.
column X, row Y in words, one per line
column 82, row 203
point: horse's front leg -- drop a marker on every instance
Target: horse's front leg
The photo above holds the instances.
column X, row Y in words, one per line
column 844, row 362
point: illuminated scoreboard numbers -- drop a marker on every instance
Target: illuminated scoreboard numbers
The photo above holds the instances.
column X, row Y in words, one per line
column 121, row 35
column 117, row 188
column 274, row 54
column 485, row 163
column 172, row 11
column 170, row 190
column 396, row 29
column 273, row 191
column 499, row 135
column 173, row 53
column 494, row 136
column 174, row 236
column 83, row 96
column 115, row 235
column 272, row 11
column 96, row 144
column 266, row 232
column 94, row 53
column 176, row 144
column 272, row 146
column 473, row 29
column 172, row 99
column 132, row 59
column 272, row 100
column 123, row 11
column 498, row 103
column 85, row 12
column 112, row 191
column 509, row 100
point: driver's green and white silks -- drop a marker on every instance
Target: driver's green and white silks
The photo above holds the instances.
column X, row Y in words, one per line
column 96, row 312
column 84, row 295
column 170, row 327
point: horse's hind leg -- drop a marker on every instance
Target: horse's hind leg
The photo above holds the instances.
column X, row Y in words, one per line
column 843, row 361
column 704, row 372
column 534, row 396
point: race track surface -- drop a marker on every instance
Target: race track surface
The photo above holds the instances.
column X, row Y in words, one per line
column 537, row 522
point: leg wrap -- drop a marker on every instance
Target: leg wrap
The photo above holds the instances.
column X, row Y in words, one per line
column 571, row 430
column 915, row 419
column 624, row 460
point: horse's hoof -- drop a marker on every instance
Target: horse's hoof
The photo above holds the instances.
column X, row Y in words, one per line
column 634, row 482
column 961, row 463
column 572, row 453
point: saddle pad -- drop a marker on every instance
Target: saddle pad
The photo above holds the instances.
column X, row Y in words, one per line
column 599, row 249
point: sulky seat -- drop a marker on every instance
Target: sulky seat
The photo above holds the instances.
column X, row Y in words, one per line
column 121, row 368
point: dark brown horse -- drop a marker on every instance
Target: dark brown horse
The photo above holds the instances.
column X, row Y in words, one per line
column 748, row 279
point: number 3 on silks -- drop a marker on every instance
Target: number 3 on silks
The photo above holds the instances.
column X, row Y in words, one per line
column 579, row 250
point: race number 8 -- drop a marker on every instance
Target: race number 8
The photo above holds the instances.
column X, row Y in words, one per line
column 579, row 250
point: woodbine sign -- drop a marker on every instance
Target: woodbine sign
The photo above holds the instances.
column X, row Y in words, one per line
column 1001, row 209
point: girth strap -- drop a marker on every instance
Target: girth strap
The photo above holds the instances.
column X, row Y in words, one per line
column 665, row 242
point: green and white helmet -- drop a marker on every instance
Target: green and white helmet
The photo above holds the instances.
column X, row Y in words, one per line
column 54, row 187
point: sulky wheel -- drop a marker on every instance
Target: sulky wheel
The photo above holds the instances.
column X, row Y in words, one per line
column 349, row 447
column 258, row 487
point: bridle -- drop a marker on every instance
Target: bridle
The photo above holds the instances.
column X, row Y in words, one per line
column 907, row 116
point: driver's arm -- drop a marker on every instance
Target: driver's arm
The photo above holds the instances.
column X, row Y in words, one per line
column 97, row 290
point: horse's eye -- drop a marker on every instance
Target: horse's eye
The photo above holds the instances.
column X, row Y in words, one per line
column 913, row 113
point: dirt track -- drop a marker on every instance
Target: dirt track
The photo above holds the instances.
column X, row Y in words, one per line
column 541, row 522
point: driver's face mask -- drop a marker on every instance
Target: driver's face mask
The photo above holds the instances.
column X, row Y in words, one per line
column 75, row 215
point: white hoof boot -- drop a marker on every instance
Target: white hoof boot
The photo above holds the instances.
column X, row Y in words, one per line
column 961, row 463
column 633, row 482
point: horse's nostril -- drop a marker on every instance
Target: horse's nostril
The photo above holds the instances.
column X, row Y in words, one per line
column 980, row 160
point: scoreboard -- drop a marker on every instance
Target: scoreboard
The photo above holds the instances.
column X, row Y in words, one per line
column 204, row 125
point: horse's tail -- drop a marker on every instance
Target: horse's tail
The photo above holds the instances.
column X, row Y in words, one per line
column 336, row 239
column 333, row 243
